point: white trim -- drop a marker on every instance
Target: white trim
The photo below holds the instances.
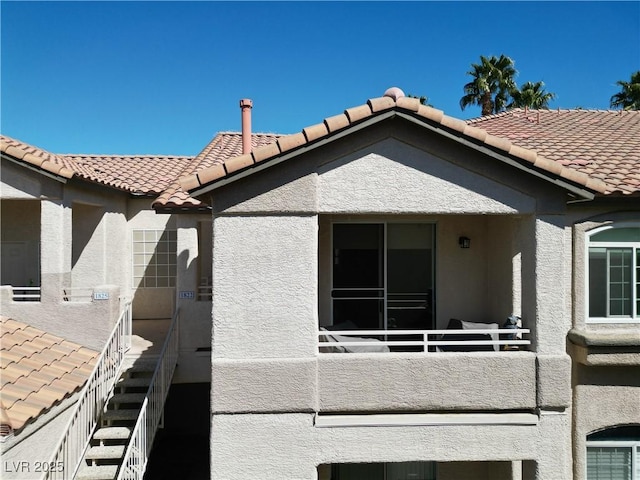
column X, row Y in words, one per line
column 634, row 445
column 635, row 247
column 424, row 419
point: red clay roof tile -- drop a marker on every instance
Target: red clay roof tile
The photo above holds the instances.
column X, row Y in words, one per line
column 507, row 140
column 599, row 143
column 41, row 370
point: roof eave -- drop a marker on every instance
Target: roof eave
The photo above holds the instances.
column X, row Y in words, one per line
column 33, row 168
column 256, row 167
column 582, row 192
column 435, row 127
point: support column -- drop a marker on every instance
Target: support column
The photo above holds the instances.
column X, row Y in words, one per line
column 55, row 249
column 553, row 319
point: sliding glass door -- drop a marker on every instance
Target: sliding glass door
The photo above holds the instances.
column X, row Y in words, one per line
column 383, row 275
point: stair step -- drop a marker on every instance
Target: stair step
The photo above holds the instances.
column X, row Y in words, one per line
column 112, row 433
column 98, row 453
column 122, row 414
column 127, row 398
column 97, row 472
column 134, row 382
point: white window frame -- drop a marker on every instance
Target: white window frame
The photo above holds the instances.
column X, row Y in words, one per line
column 635, row 246
column 634, row 445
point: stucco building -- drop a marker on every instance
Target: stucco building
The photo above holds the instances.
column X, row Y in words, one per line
column 346, row 290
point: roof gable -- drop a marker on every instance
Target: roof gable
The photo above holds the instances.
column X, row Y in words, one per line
column 379, row 109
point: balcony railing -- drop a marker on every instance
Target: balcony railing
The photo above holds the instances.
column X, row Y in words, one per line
column 135, row 459
column 427, row 341
column 26, row 294
column 92, row 400
column 77, row 294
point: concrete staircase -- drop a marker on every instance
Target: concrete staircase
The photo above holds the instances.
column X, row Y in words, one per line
column 106, row 450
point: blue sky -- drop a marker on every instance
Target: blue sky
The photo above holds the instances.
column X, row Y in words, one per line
column 164, row 77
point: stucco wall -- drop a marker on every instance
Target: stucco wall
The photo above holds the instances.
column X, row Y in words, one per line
column 264, row 286
column 20, row 237
column 603, row 397
column 608, row 395
column 149, row 302
column 271, row 253
column 289, row 446
column 194, row 364
column 28, row 452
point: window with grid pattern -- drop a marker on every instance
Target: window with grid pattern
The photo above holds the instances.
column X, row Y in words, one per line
column 154, row 258
column 614, row 275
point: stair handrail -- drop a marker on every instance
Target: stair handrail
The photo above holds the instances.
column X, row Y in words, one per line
column 134, row 462
column 91, row 401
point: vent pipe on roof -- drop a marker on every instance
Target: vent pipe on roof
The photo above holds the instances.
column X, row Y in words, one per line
column 246, row 105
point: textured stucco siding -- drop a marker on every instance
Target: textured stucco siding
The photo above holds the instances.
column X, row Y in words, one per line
column 448, row 381
column 24, row 184
column 25, row 457
column 271, row 258
column 605, row 397
column 289, row 446
column 149, row 302
column 194, row 363
column 264, row 287
column 398, row 178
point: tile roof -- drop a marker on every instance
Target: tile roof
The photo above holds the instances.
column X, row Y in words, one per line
column 393, row 101
column 139, row 174
column 602, row 144
column 37, row 157
column 38, row 370
column 224, row 145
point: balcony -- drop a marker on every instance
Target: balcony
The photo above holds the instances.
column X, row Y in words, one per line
column 472, row 369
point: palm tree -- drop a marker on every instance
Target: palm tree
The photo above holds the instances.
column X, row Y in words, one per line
column 531, row 95
column 493, row 80
column 629, row 97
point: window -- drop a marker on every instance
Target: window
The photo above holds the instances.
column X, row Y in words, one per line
column 614, row 454
column 382, row 275
column 154, row 258
column 614, row 275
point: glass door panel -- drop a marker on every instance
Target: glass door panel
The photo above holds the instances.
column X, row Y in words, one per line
column 383, row 276
column 410, row 276
column 358, row 275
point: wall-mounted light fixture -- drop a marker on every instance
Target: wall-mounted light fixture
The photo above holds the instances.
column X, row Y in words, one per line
column 464, row 242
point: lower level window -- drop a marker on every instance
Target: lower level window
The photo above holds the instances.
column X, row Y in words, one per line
column 614, row 454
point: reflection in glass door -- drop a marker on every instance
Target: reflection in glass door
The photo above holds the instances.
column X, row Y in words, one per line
column 383, row 275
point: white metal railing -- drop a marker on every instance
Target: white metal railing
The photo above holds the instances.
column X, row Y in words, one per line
column 77, row 294
column 26, row 294
column 92, row 399
column 339, row 341
column 136, row 456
